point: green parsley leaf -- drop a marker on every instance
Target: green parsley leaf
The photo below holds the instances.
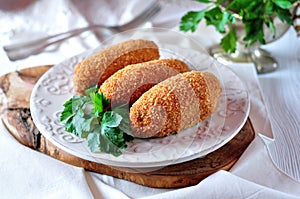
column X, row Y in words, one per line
column 87, row 117
column 254, row 32
column 283, row 4
column 92, row 89
column 190, row 21
column 72, row 108
column 271, row 26
column 78, row 121
column 218, row 18
column 109, row 141
column 236, row 5
column 111, row 119
column 123, row 110
column 116, row 137
column 269, row 8
column 68, row 110
column 93, row 140
column 284, row 15
column 99, row 102
column 228, row 42
column 252, row 11
column 255, row 16
column 69, row 126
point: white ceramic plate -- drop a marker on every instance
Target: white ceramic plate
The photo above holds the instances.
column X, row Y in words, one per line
column 56, row 86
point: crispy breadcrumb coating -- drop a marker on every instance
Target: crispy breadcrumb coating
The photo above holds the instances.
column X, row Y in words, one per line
column 176, row 103
column 128, row 84
column 97, row 68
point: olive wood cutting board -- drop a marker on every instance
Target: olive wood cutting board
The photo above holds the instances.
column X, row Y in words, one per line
column 15, row 93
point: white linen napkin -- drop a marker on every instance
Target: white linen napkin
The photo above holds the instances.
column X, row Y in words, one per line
column 247, row 179
column 25, row 173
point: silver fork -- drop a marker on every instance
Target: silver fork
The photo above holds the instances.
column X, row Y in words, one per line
column 23, row 50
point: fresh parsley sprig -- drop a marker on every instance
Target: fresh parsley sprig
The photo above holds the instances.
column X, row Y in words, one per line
column 255, row 14
column 87, row 117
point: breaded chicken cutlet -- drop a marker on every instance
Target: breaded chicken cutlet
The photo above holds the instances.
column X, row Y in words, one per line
column 97, row 68
column 175, row 104
column 128, row 84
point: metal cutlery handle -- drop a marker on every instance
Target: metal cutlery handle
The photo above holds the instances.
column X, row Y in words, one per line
column 23, row 50
column 52, row 38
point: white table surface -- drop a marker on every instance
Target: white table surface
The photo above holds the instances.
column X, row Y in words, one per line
column 280, row 89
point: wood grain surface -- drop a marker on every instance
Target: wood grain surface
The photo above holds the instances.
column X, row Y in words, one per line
column 15, row 93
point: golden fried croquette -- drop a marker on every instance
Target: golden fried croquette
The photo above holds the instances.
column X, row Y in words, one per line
column 174, row 104
column 97, row 68
column 128, row 84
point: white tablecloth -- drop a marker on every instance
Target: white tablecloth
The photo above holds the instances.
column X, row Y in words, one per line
column 269, row 168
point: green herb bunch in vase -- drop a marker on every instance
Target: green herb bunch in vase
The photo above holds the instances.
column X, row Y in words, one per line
column 245, row 25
